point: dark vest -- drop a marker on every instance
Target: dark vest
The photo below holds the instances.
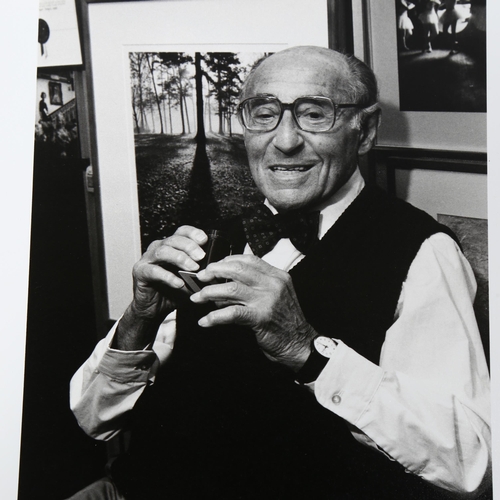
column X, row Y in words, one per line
column 223, row 422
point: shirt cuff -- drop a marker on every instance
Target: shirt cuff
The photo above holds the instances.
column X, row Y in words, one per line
column 127, row 366
column 348, row 383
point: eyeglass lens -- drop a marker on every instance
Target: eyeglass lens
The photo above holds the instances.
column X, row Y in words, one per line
column 314, row 114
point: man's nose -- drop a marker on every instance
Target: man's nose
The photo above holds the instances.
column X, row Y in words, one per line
column 287, row 136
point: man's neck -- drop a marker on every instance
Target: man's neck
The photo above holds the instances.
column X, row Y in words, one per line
column 333, row 207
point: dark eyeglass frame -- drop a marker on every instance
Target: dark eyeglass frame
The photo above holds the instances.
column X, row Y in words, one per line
column 291, row 106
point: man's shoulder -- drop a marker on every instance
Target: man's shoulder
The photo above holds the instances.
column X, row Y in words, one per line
column 395, row 214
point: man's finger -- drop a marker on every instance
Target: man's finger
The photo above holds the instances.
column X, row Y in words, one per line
column 230, row 293
column 177, row 251
column 246, row 269
column 150, row 273
column 235, row 314
column 192, row 233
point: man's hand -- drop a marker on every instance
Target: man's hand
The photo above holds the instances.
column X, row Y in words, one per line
column 157, row 289
column 262, row 297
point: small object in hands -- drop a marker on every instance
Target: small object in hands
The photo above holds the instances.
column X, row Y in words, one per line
column 43, row 33
column 216, row 248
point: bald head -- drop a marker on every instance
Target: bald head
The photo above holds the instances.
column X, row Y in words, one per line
column 346, row 78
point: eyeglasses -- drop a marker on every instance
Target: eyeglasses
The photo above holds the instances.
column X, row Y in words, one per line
column 311, row 113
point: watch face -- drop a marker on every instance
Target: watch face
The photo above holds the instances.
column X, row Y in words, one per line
column 325, row 346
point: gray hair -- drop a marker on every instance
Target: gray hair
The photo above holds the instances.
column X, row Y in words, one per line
column 362, row 88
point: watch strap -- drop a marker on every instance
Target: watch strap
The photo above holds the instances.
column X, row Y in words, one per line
column 312, row 367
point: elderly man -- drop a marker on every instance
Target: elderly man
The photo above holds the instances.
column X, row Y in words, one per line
column 334, row 355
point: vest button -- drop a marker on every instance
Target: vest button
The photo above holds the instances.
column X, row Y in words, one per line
column 336, row 399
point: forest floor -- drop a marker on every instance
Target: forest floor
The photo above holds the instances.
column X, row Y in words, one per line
column 174, row 188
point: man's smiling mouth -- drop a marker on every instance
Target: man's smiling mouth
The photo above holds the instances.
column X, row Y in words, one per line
column 291, row 168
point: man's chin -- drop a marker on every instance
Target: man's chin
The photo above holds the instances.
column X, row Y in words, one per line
column 289, row 203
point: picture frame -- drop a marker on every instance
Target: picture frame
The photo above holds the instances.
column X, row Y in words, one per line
column 112, row 30
column 55, row 94
column 421, row 179
column 375, row 42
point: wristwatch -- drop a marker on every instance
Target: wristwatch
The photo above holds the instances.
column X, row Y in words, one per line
column 322, row 349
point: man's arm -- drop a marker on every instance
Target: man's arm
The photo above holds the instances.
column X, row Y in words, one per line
column 107, row 386
column 427, row 405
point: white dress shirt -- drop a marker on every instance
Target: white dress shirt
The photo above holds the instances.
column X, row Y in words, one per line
column 426, row 404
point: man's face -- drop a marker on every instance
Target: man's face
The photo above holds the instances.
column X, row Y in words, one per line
column 292, row 168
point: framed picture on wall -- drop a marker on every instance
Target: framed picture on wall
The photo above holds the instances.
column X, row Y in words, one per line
column 122, row 33
column 55, row 93
column 431, row 71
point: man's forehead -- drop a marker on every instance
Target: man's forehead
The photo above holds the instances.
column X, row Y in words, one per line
column 321, row 70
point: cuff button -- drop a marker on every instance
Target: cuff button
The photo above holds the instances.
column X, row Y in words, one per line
column 336, row 400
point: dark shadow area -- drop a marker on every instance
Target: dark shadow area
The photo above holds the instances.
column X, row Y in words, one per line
column 200, row 207
column 57, row 458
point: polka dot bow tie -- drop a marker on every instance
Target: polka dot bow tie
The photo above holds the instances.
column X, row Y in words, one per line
column 263, row 229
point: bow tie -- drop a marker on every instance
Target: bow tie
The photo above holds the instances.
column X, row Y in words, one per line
column 263, row 229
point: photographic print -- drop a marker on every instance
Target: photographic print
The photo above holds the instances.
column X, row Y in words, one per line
column 190, row 158
column 442, row 55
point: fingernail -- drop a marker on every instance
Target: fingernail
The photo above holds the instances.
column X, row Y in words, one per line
column 203, row 321
column 198, row 254
column 178, row 283
column 192, row 266
column 195, row 297
column 201, row 274
column 200, row 237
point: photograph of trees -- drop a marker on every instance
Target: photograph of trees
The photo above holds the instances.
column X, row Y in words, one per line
column 190, row 158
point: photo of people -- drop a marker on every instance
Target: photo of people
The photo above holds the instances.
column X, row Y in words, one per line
column 442, row 55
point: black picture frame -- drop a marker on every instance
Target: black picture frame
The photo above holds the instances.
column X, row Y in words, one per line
column 55, row 94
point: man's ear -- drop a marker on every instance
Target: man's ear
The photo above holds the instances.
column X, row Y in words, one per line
column 368, row 132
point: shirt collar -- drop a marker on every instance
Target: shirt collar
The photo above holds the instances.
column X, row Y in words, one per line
column 332, row 208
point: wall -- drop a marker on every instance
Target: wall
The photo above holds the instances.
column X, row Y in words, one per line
column 438, row 192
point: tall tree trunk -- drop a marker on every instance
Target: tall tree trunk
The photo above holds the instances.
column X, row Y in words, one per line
column 209, row 108
column 164, row 116
column 170, row 114
column 181, row 98
column 141, row 99
column 219, row 100
column 152, row 112
column 136, row 119
column 157, row 99
column 201, row 138
column 187, row 113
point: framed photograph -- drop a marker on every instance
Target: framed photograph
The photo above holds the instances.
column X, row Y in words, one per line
column 58, row 36
column 431, row 66
column 117, row 32
column 55, row 94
